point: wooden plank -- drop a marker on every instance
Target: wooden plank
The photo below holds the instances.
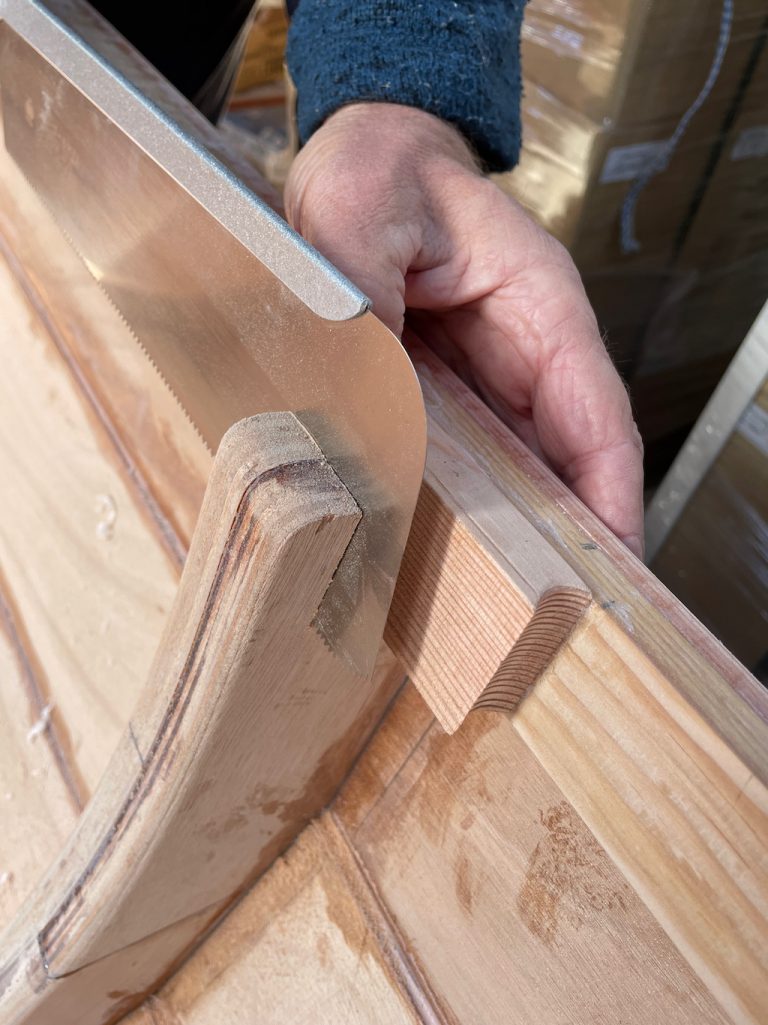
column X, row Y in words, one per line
column 307, row 945
column 497, row 888
column 37, row 808
column 247, row 724
column 706, row 675
column 695, row 698
column 681, row 815
column 91, row 586
column 467, row 543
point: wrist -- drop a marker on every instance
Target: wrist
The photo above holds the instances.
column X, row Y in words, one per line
column 403, row 131
column 379, row 148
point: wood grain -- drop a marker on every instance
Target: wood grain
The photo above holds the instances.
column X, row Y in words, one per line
column 37, row 808
column 134, row 416
column 467, row 543
column 681, row 815
column 706, row 676
column 307, row 945
column 90, row 586
column 513, row 910
column 247, row 724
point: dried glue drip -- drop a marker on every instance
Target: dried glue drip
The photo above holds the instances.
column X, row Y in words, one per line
column 106, row 510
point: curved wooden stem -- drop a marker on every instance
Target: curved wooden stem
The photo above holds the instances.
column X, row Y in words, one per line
column 247, row 725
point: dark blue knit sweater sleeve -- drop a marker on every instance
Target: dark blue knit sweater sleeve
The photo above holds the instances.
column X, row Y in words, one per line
column 458, row 59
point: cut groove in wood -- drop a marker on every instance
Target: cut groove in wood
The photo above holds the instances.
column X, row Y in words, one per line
column 39, row 698
column 482, row 600
column 164, row 529
column 552, row 623
column 425, row 1002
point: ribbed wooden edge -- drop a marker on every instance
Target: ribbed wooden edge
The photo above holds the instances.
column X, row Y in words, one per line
column 482, row 602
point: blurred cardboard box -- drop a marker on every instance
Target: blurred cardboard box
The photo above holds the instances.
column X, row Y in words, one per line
column 634, row 61
column 574, row 176
column 732, row 220
column 265, row 47
column 606, row 82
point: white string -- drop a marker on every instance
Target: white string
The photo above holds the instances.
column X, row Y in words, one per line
column 629, row 242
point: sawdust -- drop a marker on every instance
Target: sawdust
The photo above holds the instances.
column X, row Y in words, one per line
column 106, row 510
column 41, row 724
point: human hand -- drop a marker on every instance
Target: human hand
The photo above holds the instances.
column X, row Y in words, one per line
column 393, row 197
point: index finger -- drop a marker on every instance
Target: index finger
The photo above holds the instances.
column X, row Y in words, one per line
column 585, row 426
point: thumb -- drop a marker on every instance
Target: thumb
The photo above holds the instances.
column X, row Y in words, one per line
column 363, row 256
column 357, row 222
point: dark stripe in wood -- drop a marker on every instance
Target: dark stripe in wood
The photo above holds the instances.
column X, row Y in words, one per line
column 162, row 526
column 413, row 984
column 243, row 537
column 37, row 689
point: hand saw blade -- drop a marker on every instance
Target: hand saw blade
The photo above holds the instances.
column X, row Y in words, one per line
column 236, row 311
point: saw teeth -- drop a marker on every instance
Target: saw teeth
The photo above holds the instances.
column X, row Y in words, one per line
column 316, row 624
column 86, row 263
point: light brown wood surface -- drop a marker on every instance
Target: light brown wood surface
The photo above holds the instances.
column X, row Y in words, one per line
column 589, row 846
column 246, row 724
column 503, row 896
column 73, row 548
column 37, row 809
column 309, row 945
column 453, row 870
